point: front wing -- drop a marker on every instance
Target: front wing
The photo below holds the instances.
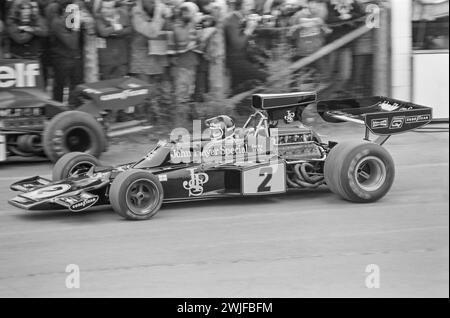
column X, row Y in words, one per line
column 38, row 193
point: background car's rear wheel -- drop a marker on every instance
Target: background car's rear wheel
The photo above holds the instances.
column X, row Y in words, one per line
column 73, row 131
column 72, row 164
column 359, row 171
column 136, row 195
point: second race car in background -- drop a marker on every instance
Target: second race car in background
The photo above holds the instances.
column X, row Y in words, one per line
column 34, row 127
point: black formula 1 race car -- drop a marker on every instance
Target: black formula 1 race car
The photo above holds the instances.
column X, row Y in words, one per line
column 34, row 127
column 271, row 154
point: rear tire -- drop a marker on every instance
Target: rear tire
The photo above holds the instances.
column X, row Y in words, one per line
column 73, row 131
column 136, row 195
column 73, row 163
column 359, row 171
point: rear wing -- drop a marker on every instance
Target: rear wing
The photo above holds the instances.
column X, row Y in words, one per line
column 114, row 94
column 278, row 106
column 381, row 115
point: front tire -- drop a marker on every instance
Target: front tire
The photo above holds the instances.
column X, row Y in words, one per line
column 72, row 164
column 359, row 171
column 73, row 131
column 136, row 195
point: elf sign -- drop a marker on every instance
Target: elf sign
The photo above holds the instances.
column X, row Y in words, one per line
column 19, row 74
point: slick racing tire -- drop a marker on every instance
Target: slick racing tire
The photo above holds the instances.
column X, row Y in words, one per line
column 359, row 171
column 72, row 164
column 136, row 195
column 73, row 131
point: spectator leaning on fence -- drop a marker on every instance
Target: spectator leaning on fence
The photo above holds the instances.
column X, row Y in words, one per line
column 26, row 30
column 66, row 53
column 113, row 28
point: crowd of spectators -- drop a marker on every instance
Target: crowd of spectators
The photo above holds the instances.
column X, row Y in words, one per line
column 185, row 49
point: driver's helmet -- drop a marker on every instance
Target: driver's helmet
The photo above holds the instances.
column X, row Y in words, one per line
column 221, row 127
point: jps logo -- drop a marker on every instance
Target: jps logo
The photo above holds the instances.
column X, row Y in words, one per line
column 397, row 123
column 19, row 75
column 195, row 185
column 289, row 117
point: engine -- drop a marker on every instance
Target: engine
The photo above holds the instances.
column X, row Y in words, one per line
column 304, row 157
column 297, row 143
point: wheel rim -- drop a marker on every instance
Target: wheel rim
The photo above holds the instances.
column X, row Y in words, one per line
column 78, row 139
column 141, row 196
column 370, row 173
column 80, row 168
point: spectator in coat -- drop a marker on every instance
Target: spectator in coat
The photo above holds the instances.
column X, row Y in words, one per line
column 210, row 78
column 185, row 61
column 342, row 18
column 66, row 53
column 4, row 8
column 147, row 21
column 307, row 31
column 51, row 10
column 238, row 31
column 113, row 29
column 26, row 29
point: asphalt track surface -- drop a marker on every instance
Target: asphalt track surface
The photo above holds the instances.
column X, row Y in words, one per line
column 308, row 244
